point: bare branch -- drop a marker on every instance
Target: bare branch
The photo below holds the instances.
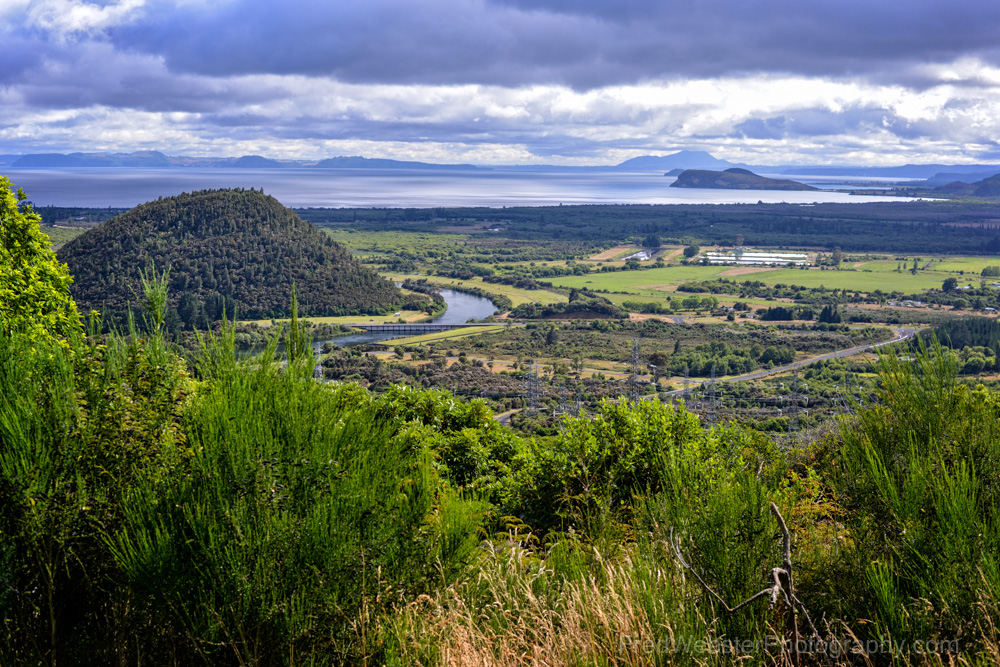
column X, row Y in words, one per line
column 782, row 583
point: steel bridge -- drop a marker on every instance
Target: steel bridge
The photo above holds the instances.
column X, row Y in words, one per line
column 417, row 327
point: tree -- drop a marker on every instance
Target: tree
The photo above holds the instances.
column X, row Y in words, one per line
column 830, row 315
column 949, row 285
column 551, row 337
column 188, row 308
column 34, row 285
column 691, row 251
column 651, row 241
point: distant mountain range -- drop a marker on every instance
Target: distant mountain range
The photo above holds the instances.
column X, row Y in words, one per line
column 936, row 174
column 733, row 179
column 986, row 187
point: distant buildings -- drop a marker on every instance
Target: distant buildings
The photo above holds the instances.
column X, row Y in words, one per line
column 743, row 258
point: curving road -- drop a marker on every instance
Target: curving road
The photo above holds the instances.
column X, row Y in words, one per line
column 901, row 335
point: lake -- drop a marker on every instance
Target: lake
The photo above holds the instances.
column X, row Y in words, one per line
column 390, row 188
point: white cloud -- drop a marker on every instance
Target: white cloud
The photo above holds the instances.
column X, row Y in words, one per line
column 75, row 17
column 106, row 100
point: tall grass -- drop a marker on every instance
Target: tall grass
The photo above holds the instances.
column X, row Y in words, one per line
column 79, row 424
column 919, row 476
column 297, row 520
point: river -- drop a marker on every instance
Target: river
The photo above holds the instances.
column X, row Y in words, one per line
column 462, row 307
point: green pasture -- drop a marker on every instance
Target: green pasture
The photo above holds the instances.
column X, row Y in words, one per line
column 973, row 265
column 877, row 275
column 391, row 318
column 388, row 242
column 860, row 280
column 59, row 235
column 650, row 280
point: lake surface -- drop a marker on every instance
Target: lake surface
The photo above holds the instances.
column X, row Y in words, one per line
column 462, row 307
column 391, row 188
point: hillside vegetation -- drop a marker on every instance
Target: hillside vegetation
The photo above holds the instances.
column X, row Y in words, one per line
column 241, row 246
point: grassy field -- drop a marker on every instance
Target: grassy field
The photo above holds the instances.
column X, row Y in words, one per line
column 442, row 335
column 887, row 281
column 974, row 265
column 362, row 243
column 407, row 315
column 874, row 275
column 651, row 280
column 59, row 235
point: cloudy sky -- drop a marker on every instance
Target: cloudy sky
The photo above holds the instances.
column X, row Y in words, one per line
column 506, row 81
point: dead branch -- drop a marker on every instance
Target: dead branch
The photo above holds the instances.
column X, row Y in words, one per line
column 782, row 584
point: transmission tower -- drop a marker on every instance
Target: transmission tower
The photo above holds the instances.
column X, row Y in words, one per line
column 687, row 386
column 633, row 377
column 531, row 390
column 712, row 398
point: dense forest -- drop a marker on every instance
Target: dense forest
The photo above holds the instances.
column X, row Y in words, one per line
column 235, row 248
column 934, row 226
column 915, row 226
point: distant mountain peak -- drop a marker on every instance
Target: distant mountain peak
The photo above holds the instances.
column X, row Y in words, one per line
column 679, row 160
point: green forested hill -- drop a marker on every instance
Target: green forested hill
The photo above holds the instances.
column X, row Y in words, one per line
column 733, row 179
column 236, row 247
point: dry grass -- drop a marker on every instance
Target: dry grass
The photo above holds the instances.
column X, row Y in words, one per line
column 518, row 612
column 611, row 253
column 524, row 621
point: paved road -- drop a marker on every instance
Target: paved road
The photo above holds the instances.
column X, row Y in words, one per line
column 901, row 334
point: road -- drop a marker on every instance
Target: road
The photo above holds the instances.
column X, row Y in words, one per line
column 901, row 335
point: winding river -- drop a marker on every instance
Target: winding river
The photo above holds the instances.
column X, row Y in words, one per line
column 462, row 307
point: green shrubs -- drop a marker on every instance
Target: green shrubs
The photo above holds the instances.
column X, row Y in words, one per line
column 79, row 427
column 255, row 516
column 246, row 519
column 920, row 477
column 297, row 518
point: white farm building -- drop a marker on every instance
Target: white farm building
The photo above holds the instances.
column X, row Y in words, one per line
column 757, row 258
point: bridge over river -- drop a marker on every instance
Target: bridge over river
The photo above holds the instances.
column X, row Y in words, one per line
column 417, row 327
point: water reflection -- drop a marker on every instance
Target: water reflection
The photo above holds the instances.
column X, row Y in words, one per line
column 462, row 307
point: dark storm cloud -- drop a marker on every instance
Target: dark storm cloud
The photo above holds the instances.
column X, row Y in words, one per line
column 79, row 75
column 582, row 43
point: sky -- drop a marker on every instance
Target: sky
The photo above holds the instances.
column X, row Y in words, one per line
column 572, row 82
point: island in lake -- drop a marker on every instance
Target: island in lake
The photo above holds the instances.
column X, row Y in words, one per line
column 734, row 179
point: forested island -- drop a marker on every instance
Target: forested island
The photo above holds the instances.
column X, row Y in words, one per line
column 734, row 178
